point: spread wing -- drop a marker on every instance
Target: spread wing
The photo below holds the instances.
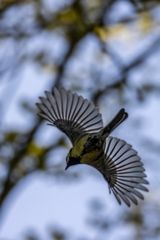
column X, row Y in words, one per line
column 69, row 112
column 124, row 171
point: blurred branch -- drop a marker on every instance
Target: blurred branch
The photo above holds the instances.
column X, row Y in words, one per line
column 124, row 70
column 8, row 184
column 61, row 69
column 6, row 4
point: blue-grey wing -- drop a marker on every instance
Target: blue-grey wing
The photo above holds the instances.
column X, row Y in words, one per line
column 124, row 171
column 70, row 112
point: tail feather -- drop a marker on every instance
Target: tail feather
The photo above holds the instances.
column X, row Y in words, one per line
column 115, row 122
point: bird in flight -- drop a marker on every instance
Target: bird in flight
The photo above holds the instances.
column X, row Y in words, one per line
column 92, row 144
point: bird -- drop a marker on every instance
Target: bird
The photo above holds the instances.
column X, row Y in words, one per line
column 92, row 144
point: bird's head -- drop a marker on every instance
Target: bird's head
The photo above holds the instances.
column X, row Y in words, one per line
column 72, row 160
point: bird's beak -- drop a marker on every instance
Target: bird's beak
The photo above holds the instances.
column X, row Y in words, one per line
column 66, row 167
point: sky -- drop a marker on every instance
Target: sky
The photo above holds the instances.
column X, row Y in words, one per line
column 40, row 201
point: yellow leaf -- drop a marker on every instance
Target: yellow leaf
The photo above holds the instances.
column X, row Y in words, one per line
column 146, row 22
column 35, row 150
column 68, row 16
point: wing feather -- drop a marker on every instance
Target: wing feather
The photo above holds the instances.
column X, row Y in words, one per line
column 70, row 112
column 124, row 171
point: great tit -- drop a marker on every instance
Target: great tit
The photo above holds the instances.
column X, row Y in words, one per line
column 92, row 144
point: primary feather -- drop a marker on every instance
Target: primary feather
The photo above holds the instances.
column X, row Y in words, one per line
column 69, row 112
column 124, row 171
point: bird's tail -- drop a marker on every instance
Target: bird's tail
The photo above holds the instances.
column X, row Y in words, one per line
column 115, row 122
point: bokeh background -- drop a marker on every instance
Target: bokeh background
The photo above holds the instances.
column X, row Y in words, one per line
column 107, row 51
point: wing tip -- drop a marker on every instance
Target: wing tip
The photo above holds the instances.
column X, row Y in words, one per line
column 125, row 172
column 78, row 113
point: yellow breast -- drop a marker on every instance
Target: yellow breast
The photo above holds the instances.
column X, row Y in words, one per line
column 87, row 158
column 90, row 158
column 79, row 146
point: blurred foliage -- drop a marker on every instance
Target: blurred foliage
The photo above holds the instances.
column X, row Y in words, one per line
column 23, row 25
